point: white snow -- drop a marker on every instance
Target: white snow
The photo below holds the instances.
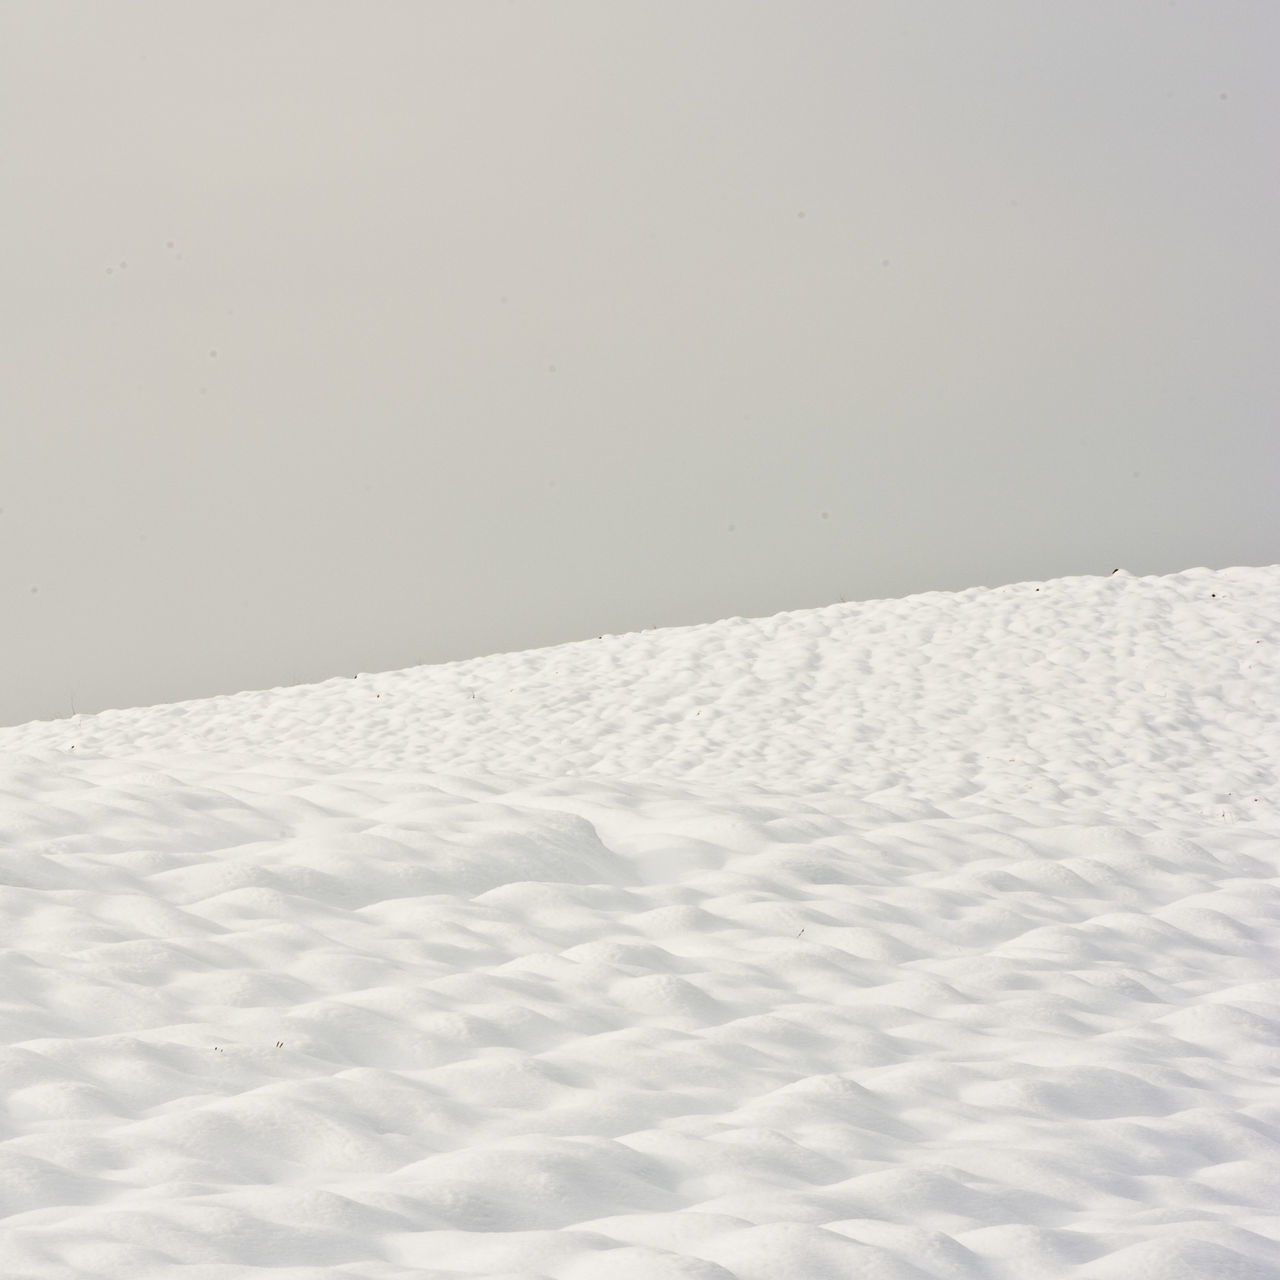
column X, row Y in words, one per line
column 932, row 937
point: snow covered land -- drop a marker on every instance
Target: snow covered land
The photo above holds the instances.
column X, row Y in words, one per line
column 935, row 937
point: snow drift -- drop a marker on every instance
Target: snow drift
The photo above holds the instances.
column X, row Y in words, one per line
column 932, row 937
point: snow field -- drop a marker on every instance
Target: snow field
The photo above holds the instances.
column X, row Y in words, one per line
column 920, row 938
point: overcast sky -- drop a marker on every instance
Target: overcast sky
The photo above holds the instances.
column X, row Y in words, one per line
column 342, row 337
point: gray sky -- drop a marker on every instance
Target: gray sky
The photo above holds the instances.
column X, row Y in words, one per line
column 341, row 337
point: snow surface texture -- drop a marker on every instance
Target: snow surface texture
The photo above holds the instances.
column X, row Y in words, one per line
column 932, row 937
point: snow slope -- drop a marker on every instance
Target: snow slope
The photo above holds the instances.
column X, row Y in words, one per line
column 934, row 937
